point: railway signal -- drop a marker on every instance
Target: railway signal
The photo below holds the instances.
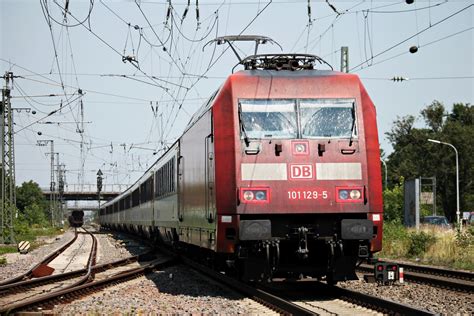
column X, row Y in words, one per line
column 99, row 181
column 386, row 273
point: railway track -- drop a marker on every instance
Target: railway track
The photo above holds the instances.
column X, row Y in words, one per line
column 323, row 299
column 445, row 278
column 17, row 298
column 36, row 269
column 44, row 292
column 275, row 296
column 109, row 276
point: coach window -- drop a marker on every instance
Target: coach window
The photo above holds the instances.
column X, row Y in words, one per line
column 327, row 118
column 268, row 119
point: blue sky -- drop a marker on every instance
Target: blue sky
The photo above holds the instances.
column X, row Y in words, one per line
column 123, row 129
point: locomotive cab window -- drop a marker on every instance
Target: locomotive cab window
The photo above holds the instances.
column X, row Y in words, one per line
column 300, row 118
column 268, row 119
column 327, row 118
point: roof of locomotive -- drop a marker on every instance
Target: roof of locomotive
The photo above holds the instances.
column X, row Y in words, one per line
column 288, row 73
column 312, row 73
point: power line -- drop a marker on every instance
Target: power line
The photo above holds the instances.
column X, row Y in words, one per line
column 412, row 36
column 55, row 83
column 423, row 78
column 420, row 46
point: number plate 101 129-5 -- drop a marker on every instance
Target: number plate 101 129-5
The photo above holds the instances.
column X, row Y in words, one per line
column 307, row 194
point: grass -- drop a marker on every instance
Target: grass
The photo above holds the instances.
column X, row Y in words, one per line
column 430, row 245
column 30, row 235
column 7, row 249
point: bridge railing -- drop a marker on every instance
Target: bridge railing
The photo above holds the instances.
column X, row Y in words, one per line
column 106, row 188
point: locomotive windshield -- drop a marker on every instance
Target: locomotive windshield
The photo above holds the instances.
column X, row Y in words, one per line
column 327, row 118
column 308, row 118
column 268, row 118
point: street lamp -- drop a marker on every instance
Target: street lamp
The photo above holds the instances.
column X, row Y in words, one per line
column 457, row 178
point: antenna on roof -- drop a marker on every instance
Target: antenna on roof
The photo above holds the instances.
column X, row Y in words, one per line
column 243, row 38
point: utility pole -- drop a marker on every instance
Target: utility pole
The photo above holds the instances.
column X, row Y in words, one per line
column 57, row 201
column 80, row 130
column 61, row 182
column 344, row 59
column 8, row 197
column 52, row 185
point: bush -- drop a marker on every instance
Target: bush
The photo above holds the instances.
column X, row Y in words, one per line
column 393, row 202
column 431, row 245
column 465, row 246
column 3, row 261
column 419, row 243
column 395, row 240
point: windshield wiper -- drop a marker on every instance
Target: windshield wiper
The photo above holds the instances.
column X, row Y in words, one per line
column 353, row 124
column 244, row 132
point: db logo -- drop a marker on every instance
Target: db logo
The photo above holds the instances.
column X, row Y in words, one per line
column 301, row 171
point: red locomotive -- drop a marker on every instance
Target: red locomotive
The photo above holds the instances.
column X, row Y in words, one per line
column 277, row 174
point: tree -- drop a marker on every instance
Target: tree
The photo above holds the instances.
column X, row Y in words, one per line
column 31, row 202
column 414, row 156
column 393, row 203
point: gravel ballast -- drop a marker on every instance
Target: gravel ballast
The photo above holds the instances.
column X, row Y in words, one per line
column 176, row 290
column 423, row 296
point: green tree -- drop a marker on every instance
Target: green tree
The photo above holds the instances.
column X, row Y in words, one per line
column 29, row 193
column 414, row 156
column 393, row 203
column 31, row 203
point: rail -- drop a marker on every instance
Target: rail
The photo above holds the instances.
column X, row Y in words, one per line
column 88, row 287
column 29, row 274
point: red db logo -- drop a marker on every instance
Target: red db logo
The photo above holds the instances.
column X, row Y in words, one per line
column 301, row 171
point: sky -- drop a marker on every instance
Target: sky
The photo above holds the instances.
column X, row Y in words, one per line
column 122, row 78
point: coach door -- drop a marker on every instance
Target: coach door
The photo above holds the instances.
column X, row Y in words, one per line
column 210, row 189
column 180, row 187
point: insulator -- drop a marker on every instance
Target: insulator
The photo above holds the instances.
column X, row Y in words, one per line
column 168, row 13
column 398, row 79
column 185, row 11
column 197, row 13
column 413, row 49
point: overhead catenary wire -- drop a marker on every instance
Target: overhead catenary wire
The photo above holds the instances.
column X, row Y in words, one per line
column 412, row 36
column 421, row 46
column 167, row 69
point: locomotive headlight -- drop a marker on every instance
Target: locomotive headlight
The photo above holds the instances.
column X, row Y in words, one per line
column 261, row 195
column 349, row 194
column 248, row 195
column 300, row 148
column 343, row 194
column 355, row 194
column 255, row 195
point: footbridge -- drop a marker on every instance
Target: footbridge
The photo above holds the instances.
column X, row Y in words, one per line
column 87, row 192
